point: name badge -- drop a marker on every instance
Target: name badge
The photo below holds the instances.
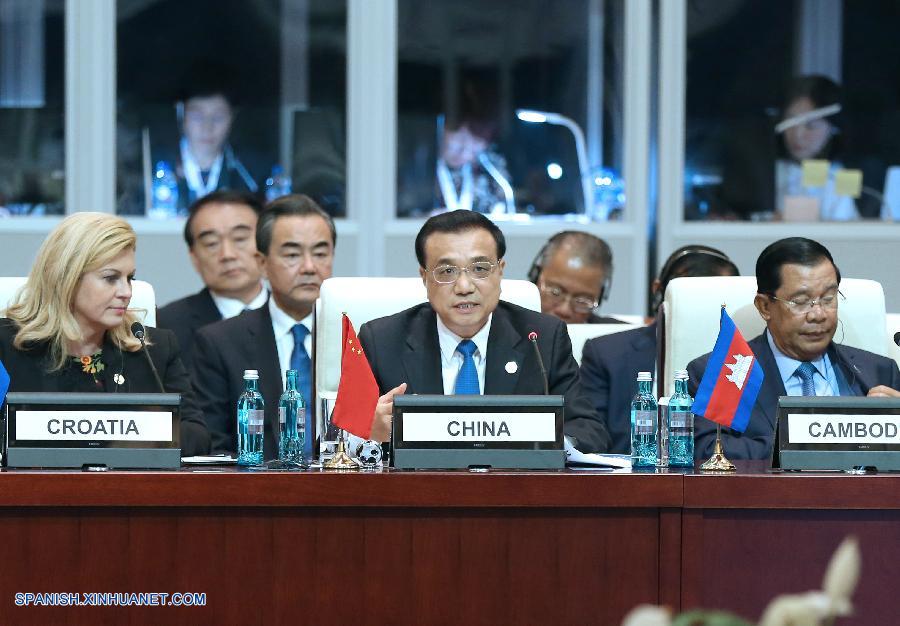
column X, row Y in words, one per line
column 93, row 426
column 434, row 427
column 825, row 428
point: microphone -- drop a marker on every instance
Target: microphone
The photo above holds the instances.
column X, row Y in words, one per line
column 137, row 329
column 533, row 337
column 897, row 338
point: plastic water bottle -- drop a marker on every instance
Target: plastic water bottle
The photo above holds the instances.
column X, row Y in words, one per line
column 278, row 184
column 643, row 423
column 292, row 421
column 250, row 421
column 165, row 192
column 681, row 423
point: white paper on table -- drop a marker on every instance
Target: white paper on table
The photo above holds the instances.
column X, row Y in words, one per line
column 213, row 459
column 602, row 460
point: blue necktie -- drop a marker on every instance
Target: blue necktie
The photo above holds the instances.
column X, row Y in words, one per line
column 300, row 361
column 467, row 379
column 805, row 373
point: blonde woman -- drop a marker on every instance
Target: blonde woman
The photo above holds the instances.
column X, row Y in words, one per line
column 69, row 328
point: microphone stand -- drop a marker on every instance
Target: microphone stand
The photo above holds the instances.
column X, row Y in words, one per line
column 137, row 329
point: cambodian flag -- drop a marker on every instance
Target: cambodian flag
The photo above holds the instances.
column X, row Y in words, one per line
column 731, row 381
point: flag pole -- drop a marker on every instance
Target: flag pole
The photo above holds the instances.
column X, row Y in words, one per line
column 341, row 461
column 718, row 462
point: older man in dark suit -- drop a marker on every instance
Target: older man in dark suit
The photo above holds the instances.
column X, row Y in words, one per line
column 219, row 233
column 465, row 340
column 797, row 296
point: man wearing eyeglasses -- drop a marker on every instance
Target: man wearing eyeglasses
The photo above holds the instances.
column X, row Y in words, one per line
column 573, row 271
column 219, row 233
column 465, row 340
column 798, row 297
column 296, row 240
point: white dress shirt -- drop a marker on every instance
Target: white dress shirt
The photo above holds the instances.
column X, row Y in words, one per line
column 282, row 323
column 451, row 360
column 232, row 307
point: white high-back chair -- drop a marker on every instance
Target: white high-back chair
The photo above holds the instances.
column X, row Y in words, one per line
column 693, row 305
column 579, row 334
column 365, row 299
column 893, row 326
column 143, row 298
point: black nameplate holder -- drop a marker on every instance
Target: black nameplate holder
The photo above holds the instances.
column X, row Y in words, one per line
column 93, row 430
column 460, row 431
column 837, row 433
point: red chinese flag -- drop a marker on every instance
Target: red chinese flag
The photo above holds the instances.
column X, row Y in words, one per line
column 357, row 393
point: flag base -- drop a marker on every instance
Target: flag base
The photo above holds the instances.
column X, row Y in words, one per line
column 341, row 461
column 718, row 462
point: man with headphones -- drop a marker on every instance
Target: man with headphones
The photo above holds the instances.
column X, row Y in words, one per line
column 573, row 272
column 610, row 364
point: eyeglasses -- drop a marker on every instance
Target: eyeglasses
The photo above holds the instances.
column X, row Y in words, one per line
column 448, row 274
column 803, row 305
column 579, row 304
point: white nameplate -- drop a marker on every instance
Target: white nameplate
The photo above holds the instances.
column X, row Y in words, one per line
column 479, row 426
column 94, row 426
column 843, row 428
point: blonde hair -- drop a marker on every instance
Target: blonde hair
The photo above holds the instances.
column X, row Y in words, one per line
column 42, row 308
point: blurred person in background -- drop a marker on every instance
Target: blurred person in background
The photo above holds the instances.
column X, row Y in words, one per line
column 610, row 364
column 573, row 272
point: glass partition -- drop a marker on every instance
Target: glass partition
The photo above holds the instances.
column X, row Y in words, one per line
column 512, row 108
column 32, row 106
column 230, row 94
column 792, row 111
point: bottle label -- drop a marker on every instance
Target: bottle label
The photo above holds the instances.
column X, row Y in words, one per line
column 282, row 415
column 643, row 422
column 301, row 420
column 255, row 420
column 679, row 419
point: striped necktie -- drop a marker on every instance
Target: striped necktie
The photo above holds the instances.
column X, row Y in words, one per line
column 805, row 373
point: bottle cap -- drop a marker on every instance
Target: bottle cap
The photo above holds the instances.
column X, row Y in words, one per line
column 251, row 374
column 643, row 376
column 681, row 375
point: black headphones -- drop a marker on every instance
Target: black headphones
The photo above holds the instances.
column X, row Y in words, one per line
column 537, row 265
column 672, row 261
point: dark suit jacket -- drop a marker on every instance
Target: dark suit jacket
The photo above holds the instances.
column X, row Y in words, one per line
column 404, row 348
column 861, row 369
column 222, row 351
column 609, row 369
column 185, row 317
column 28, row 371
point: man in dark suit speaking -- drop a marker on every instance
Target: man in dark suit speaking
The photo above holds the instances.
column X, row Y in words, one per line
column 797, row 295
column 464, row 340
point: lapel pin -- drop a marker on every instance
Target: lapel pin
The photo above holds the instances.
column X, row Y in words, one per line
column 119, row 379
column 512, row 367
